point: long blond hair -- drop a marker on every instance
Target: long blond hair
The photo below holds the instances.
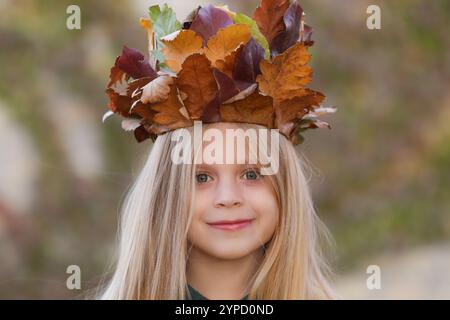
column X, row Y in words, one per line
column 155, row 216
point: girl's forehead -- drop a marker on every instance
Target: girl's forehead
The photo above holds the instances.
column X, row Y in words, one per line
column 233, row 144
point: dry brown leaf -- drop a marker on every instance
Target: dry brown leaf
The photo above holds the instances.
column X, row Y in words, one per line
column 287, row 75
column 168, row 112
column 269, row 17
column 253, row 109
column 197, row 81
column 288, row 112
column 186, row 43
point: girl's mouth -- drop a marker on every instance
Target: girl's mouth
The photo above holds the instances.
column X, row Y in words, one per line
column 231, row 224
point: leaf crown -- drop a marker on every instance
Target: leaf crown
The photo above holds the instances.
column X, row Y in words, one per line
column 219, row 66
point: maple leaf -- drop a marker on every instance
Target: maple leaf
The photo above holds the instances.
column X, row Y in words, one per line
column 197, row 81
column 186, row 43
column 287, row 75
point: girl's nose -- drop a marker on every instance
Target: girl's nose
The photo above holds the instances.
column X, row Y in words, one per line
column 228, row 194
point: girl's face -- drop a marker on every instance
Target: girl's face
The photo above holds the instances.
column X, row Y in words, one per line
column 235, row 210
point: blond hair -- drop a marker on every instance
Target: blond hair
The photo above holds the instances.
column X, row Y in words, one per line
column 155, row 217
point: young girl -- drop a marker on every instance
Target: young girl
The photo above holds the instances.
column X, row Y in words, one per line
column 218, row 230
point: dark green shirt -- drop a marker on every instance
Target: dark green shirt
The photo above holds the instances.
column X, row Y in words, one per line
column 198, row 296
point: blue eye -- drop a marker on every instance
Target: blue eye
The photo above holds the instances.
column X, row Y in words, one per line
column 201, row 178
column 252, row 174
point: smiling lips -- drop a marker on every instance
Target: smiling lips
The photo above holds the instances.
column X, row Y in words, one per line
column 231, row 224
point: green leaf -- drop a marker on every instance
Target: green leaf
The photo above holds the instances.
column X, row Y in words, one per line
column 164, row 22
column 254, row 30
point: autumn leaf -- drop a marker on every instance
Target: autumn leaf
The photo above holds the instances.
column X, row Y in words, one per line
column 117, row 75
column 246, row 67
column 141, row 134
column 130, row 124
column 187, row 42
column 118, row 104
column 287, row 75
column 128, row 106
column 156, row 90
column 306, row 35
column 288, row 112
column 227, row 87
column 168, row 112
column 254, row 109
column 164, row 22
column 226, row 65
column 269, row 17
column 291, row 31
column 296, row 136
column 226, row 41
column 134, row 64
column 197, row 81
column 225, row 8
column 254, row 30
column 147, row 25
column 208, row 21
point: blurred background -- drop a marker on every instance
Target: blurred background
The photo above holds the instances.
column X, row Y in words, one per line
column 382, row 174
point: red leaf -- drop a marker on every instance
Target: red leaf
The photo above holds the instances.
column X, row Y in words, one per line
column 289, row 36
column 269, row 17
column 134, row 64
column 208, row 21
column 246, row 66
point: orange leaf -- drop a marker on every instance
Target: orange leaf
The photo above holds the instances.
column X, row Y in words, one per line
column 287, row 75
column 187, row 42
column 226, row 65
column 197, row 81
column 225, row 41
